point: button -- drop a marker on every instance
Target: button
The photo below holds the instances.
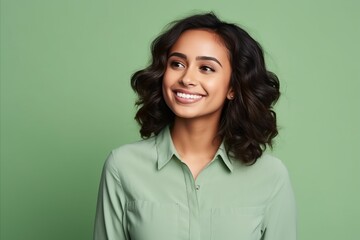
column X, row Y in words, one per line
column 197, row 187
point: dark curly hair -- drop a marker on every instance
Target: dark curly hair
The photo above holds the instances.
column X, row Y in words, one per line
column 248, row 122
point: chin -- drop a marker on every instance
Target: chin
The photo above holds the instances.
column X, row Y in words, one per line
column 186, row 115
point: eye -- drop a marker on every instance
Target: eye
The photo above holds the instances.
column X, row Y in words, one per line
column 207, row 69
column 176, row 64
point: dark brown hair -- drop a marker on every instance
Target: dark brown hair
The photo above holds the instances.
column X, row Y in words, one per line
column 248, row 122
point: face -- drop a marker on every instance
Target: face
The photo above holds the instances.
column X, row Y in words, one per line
column 196, row 82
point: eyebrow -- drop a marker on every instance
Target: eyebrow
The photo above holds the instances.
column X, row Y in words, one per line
column 183, row 56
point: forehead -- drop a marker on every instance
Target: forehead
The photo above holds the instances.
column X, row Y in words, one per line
column 200, row 42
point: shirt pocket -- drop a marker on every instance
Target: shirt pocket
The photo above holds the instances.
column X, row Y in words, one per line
column 148, row 220
column 237, row 223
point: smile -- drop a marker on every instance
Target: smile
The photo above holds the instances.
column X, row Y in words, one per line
column 188, row 96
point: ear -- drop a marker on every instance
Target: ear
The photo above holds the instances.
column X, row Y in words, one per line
column 230, row 94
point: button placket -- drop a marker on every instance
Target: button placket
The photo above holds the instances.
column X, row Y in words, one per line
column 194, row 224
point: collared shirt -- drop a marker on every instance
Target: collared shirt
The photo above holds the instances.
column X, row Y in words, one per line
column 148, row 193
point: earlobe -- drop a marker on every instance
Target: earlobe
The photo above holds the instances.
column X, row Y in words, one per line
column 230, row 95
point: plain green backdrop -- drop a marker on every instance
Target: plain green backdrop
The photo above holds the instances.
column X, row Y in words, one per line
column 66, row 102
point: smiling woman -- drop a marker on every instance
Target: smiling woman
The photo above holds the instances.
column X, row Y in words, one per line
column 205, row 111
column 196, row 82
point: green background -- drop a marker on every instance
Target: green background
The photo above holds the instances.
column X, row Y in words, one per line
column 66, row 102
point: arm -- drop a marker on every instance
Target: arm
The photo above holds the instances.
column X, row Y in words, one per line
column 109, row 211
column 281, row 214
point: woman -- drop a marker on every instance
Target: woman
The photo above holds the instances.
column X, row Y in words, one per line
column 205, row 111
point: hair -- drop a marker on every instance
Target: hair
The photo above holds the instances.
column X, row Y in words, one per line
column 248, row 122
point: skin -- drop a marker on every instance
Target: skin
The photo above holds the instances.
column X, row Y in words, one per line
column 196, row 85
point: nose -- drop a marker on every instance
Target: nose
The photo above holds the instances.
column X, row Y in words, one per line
column 188, row 78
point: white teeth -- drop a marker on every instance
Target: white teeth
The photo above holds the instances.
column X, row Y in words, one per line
column 188, row 96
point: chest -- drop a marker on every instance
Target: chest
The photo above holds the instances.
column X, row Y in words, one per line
column 174, row 205
column 149, row 220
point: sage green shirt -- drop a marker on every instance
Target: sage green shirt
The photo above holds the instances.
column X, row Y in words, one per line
column 148, row 193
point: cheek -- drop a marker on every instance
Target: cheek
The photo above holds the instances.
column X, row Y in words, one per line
column 166, row 96
column 219, row 85
column 169, row 75
column 169, row 79
column 165, row 81
column 165, row 84
column 166, row 89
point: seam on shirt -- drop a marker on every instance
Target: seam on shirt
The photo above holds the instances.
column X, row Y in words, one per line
column 273, row 197
column 117, row 178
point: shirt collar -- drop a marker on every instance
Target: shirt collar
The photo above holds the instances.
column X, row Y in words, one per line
column 225, row 157
column 166, row 150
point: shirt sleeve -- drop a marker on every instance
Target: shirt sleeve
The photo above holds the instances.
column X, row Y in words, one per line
column 281, row 214
column 109, row 212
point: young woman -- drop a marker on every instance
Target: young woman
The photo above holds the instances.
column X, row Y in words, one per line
column 205, row 111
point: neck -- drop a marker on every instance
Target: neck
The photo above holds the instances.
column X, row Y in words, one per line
column 195, row 137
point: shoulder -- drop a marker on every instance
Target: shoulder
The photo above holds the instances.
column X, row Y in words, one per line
column 267, row 164
column 139, row 147
column 272, row 165
column 274, row 173
column 268, row 173
column 274, row 169
column 132, row 153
